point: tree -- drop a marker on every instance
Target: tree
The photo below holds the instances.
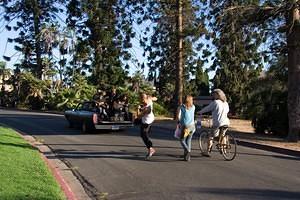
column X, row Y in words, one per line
column 268, row 103
column 201, row 82
column 171, row 55
column 30, row 16
column 4, row 72
column 179, row 64
column 282, row 16
column 237, row 60
column 103, row 31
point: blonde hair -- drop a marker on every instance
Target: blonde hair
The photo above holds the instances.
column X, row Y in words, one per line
column 220, row 94
column 188, row 101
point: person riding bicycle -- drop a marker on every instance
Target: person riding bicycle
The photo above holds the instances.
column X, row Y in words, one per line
column 219, row 108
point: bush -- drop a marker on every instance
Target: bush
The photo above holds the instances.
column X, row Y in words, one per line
column 268, row 102
column 273, row 118
column 160, row 110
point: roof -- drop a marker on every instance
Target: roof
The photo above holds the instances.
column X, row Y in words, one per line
column 203, row 100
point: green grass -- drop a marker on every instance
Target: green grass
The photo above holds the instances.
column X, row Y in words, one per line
column 23, row 173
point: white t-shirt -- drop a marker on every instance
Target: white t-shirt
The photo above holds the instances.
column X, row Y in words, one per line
column 219, row 111
column 148, row 118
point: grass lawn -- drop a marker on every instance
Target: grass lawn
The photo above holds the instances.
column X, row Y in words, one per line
column 23, row 173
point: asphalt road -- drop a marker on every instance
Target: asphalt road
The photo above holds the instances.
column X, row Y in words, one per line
column 111, row 164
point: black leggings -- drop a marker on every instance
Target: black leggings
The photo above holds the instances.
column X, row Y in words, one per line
column 145, row 130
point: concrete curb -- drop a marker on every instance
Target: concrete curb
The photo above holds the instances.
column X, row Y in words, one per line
column 64, row 186
column 268, row 148
column 57, row 167
column 249, row 143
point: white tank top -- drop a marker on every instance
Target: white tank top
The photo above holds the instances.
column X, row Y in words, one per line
column 148, row 118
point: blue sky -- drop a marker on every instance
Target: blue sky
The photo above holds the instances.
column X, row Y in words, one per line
column 7, row 49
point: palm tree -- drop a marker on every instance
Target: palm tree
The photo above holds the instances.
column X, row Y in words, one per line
column 4, row 72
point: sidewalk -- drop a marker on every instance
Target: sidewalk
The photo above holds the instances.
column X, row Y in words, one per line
column 245, row 135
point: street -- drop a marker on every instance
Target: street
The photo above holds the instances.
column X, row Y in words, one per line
column 112, row 165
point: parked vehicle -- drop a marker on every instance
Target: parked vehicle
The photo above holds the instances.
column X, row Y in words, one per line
column 89, row 115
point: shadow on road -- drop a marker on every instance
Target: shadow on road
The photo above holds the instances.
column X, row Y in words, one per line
column 267, row 155
column 252, row 193
column 123, row 154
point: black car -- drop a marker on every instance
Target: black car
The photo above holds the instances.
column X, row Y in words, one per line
column 90, row 116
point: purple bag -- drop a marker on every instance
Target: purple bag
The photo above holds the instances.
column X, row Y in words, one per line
column 177, row 133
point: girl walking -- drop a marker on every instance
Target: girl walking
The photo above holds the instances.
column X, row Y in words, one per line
column 185, row 116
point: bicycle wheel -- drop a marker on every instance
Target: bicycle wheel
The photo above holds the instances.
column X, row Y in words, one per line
column 203, row 141
column 228, row 147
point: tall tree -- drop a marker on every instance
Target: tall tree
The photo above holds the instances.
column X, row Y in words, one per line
column 104, row 32
column 237, row 60
column 4, row 72
column 170, row 48
column 179, row 64
column 293, row 45
column 28, row 17
column 281, row 16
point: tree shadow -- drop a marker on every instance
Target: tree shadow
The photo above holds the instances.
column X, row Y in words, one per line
column 113, row 145
column 275, row 156
column 246, row 193
column 123, row 154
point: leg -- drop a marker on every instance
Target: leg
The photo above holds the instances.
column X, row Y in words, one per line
column 222, row 138
column 145, row 129
column 214, row 133
column 189, row 140
column 184, row 144
column 189, row 144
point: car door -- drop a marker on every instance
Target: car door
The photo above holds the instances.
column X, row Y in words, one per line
column 86, row 112
column 77, row 113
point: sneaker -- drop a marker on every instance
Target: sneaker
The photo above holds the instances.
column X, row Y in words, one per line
column 184, row 154
column 150, row 153
column 187, row 157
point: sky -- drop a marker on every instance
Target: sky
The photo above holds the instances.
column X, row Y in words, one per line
column 7, row 49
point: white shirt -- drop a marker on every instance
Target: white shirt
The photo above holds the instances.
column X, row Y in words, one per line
column 219, row 111
column 148, row 118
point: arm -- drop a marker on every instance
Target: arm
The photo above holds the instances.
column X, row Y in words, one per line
column 208, row 108
column 153, row 98
column 144, row 111
column 178, row 114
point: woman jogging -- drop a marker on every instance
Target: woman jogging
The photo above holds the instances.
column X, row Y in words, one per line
column 147, row 116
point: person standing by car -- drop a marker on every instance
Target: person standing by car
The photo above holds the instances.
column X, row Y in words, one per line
column 111, row 98
column 219, row 108
column 147, row 118
column 186, row 121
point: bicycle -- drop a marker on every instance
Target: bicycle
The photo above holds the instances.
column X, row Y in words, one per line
column 226, row 143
